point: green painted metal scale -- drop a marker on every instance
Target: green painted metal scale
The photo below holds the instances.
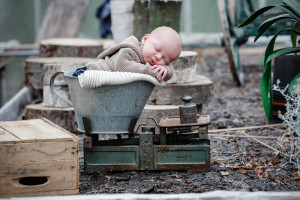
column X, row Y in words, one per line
column 178, row 146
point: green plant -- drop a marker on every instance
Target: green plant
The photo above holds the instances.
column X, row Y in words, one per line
column 291, row 13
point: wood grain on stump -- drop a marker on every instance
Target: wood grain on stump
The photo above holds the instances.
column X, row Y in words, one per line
column 64, row 117
column 184, row 67
column 74, row 47
column 157, row 112
column 200, row 89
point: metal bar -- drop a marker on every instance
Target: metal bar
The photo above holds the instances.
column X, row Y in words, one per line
column 37, row 16
column 19, row 53
column 2, row 86
column 146, row 151
column 11, row 109
column 87, row 126
column 163, row 136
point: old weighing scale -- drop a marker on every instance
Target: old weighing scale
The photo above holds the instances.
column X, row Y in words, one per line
column 181, row 143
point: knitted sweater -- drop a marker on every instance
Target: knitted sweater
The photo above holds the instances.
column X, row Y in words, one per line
column 125, row 57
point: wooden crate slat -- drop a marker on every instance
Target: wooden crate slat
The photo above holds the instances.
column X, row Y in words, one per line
column 31, row 130
column 37, row 152
column 63, row 172
column 7, row 137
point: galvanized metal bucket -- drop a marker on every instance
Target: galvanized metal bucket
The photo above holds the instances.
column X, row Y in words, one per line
column 110, row 109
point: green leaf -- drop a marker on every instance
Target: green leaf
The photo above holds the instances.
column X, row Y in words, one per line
column 266, row 91
column 294, row 82
column 294, row 35
column 255, row 15
column 266, row 79
column 289, row 11
column 266, row 24
column 295, row 5
column 282, row 51
column 274, row 19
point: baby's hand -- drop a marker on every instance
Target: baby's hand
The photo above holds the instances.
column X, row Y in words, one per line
column 160, row 72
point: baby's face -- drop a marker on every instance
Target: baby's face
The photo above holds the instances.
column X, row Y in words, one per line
column 159, row 50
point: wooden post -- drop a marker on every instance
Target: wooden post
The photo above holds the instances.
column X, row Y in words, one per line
column 149, row 15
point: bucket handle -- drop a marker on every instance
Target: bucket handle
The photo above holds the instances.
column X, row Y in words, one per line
column 55, row 91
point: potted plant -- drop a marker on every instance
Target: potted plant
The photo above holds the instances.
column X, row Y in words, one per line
column 291, row 15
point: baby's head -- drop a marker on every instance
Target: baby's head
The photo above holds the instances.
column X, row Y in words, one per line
column 161, row 46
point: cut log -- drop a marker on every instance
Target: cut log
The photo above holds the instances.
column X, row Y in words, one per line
column 156, row 112
column 51, row 100
column 201, row 90
column 184, row 67
column 63, row 117
column 73, row 47
column 39, row 70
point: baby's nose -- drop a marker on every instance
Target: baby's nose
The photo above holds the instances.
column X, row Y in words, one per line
column 158, row 56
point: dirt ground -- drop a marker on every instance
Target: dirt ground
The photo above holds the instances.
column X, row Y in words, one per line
column 237, row 162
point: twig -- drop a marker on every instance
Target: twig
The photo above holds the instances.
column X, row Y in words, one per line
column 246, row 128
column 240, row 136
column 248, row 136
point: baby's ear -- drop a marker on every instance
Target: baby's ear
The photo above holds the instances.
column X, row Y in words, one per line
column 145, row 38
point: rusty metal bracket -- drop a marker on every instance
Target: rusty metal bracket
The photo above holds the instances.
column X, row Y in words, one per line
column 87, row 142
column 87, row 126
column 132, row 125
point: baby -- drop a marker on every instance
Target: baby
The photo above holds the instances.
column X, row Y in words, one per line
column 152, row 56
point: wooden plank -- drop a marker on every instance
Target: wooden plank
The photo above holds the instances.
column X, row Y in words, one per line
column 43, row 194
column 18, row 153
column 6, row 137
column 62, row 175
column 35, row 129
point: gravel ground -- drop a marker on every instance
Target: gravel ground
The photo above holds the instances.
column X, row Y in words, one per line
column 237, row 162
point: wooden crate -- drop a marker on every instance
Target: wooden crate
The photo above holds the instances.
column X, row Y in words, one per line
column 37, row 158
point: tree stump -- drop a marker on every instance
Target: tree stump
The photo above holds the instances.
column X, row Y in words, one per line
column 200, row 89
column 135, row 17
column 184, row 67
column 38, row 71
column 157, row 112
column 64, row 117
column 73, row 47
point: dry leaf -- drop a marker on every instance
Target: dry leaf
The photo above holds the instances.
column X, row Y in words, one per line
column 248, row 166
column 224, row 173
column 296, row 176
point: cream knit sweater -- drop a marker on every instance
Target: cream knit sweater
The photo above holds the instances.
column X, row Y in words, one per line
column 125, row 57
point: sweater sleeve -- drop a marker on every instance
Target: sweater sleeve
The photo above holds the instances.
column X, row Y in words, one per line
column 127, row 60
